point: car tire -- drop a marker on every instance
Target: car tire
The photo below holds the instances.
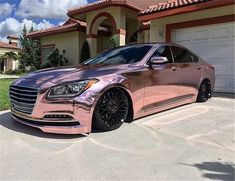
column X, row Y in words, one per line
column 204, row 92
column 112, row 109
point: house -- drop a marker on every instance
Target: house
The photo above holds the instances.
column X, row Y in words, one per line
column 8, row 64
column 204, row 26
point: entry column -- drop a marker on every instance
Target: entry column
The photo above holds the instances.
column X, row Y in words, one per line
column 92, row 41
column 120, row 37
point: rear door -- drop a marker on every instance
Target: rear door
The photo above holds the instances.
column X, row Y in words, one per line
column 190, row 71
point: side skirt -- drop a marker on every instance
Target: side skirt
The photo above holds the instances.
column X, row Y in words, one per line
column 168, row 104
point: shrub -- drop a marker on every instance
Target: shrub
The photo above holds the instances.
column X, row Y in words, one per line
column 46, row 64
column 32, row 69
column 112, row 43
column 13, row 72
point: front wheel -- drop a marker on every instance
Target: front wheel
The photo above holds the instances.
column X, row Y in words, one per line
column 204, row 92
column 112, row 110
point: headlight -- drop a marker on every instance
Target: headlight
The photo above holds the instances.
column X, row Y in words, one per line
column 70, row 89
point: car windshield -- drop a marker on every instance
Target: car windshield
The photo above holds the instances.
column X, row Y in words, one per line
column 121, row 55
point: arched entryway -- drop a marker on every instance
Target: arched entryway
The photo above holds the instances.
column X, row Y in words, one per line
column 103, row 27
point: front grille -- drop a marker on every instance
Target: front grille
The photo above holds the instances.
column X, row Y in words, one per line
column 23, row 99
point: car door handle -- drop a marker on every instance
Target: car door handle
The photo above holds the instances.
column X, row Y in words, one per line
column 174, row 68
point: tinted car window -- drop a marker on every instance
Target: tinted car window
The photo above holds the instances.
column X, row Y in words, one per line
column 181, row 55
column 163, row 51
column 121, row 55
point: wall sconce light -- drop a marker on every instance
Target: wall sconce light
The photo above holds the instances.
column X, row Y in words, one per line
column 159, row 34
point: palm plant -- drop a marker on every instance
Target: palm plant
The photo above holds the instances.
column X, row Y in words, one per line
column 10, row 56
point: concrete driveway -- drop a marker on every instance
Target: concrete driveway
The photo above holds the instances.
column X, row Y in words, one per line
column 192, row 142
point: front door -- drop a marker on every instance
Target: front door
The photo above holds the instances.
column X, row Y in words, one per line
column 2, row 65
column 162, row 82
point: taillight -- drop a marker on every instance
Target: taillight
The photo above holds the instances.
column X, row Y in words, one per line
column 211, row 67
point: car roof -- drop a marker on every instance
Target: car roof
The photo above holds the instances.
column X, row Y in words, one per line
column 154, row 44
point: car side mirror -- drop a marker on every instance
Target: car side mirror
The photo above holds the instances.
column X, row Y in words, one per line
column 158, row 60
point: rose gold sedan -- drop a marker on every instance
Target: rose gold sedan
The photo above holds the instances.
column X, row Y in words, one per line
column 118, row 85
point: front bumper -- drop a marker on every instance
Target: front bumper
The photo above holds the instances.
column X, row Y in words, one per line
column 79, row 110
column 49, row 126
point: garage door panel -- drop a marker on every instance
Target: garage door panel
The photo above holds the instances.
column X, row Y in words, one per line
column 225, row 82
column 220, row 69
column 201, row 35
column 220, row 83
column 184, row 36
column 219, row 50
column 220, row 33
column 215, row 44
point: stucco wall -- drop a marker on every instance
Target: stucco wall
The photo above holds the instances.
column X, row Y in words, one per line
column 71, row 42
column 160, row 24
column 144, row 36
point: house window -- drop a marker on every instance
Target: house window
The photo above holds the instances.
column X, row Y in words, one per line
column 46, row 51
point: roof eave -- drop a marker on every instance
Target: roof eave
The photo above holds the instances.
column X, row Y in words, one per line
column 72, row 13
column 53, row 32
column 15, row 48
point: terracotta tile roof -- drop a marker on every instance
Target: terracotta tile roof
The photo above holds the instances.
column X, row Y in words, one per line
column 143, row 4
column 69, row 25
column 171, row 4
column 134, row 4
column 9, row 46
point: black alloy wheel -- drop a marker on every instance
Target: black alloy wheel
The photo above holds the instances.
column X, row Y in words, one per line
column 111, row 110
column 204, row 92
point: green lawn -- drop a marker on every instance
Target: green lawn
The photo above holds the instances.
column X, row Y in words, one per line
column 4, row 94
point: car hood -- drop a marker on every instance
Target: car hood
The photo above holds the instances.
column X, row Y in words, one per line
column 53, row 76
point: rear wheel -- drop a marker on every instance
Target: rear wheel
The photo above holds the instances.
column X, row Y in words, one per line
column 204, row 91
column 112, row 110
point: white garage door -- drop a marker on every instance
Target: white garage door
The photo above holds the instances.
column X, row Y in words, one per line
column 215, row 44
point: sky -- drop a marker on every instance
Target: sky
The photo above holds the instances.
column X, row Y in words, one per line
column 40, row 14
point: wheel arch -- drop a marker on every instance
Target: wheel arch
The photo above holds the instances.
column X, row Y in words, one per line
column 123, row 88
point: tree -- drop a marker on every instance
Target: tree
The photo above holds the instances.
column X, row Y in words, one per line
column 85, row 52
column 30, row 56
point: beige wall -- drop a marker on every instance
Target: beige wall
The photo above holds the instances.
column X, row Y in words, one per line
column 71, row 42
column 160, row 24
column 144, row 37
